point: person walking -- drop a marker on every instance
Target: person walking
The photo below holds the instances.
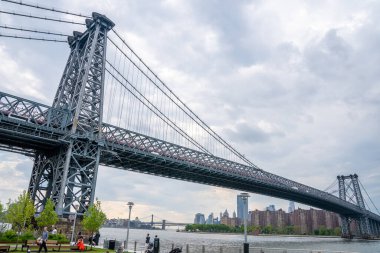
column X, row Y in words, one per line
column 45, row 235
column 96, row 238
column 147, row 239
column 156, row 244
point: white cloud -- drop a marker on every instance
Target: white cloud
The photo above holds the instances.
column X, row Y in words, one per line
column 293, row 85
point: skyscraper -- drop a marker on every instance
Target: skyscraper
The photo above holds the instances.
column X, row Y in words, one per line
column 240, row 207
column 271, row 208
column 291, row 207
column 210, row 219
column 199, row 218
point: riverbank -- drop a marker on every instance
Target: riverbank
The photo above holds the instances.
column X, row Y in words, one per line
column 277, row 235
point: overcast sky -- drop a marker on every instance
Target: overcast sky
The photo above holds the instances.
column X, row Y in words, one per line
column 292, row 84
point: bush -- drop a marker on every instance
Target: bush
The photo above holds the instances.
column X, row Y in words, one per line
column 61, row 238
column 9, row 236
column 28, row 235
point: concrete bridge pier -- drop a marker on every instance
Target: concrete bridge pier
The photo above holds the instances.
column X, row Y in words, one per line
column 163, row 227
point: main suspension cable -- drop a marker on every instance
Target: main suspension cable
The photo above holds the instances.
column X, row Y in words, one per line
column 33, row 31
column 46, row 8
column 43, row 18
column 203, row 125
column 368, row 196
column 31, row 38
column 176, row 128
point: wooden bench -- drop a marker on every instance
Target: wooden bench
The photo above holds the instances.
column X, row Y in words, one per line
column 52, row 245
column 68, row 247
column 4, row 248
column 65, row 247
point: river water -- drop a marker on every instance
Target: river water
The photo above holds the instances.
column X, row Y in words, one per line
column 213, row 242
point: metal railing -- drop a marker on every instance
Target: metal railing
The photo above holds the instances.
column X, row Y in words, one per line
column 140, row 247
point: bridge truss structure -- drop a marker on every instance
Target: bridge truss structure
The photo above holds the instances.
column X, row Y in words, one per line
column 70, row 139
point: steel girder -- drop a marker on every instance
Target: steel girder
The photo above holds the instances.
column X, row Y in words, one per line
column 67, row 84
column 27, row 125
column 20, row 109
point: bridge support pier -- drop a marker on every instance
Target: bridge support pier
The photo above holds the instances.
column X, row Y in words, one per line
column 345, row 226
column 376, row 228
column 67, row 176
column 41, row 180
column 163, row 225
column 365, row 228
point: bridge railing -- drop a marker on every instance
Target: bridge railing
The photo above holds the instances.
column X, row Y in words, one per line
column 17, row 108
column 140, row 247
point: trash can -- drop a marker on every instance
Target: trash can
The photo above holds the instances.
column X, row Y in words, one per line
column 111, row 244
column 120, row 249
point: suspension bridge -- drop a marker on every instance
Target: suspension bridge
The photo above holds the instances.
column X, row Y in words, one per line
column 148, row 222
column 111, row 109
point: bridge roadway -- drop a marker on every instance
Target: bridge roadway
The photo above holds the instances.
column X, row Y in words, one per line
column 27, row 126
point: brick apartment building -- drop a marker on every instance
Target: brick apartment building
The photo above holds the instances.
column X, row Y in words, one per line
column 306, row 221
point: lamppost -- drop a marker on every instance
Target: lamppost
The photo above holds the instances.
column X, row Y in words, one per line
column 129, row 204
column 75, row 219
column 245, row 197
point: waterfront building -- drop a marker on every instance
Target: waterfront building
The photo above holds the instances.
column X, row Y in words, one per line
column 303, row 221
column 199, row 218
column 281, row 218
column 226, row 214
column 226, row 220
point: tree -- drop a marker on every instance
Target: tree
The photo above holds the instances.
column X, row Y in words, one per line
column 48, row 216
column 323, row 230
column 20, row 213
column 2, row 213
column 2, row 218
column 337, row 231
column 94, row 218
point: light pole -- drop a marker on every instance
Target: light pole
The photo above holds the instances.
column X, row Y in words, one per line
column 245, row 197
column 129, row 204
column 75, row 219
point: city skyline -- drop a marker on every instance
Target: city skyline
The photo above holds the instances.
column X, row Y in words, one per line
column 274, row 96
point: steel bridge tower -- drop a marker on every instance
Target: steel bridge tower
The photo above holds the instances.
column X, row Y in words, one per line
column 68, row 174
column 349, row 190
